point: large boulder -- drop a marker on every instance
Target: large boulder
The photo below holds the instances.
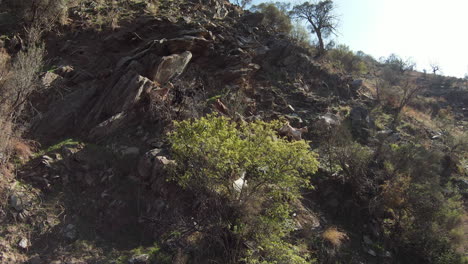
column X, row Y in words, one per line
column 361, row 123
column 171, row 67
column 64, row 115
column 120, row 96
column 196, row 45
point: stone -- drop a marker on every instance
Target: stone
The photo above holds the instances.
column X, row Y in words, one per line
column 130, row 151
column 371, row 252
column 108, row 126
column 196, row 45
column 139, row 259
column 46, row 161
column 24, row 243
column 330, row 119
column 356, row 84
column 367, row 240
column 70, row 232
column 200, row 33
column 35, row 260
column 171, row 67
column 75, row 261
column 16, row 202
column 62, row 115
column 122, row 94
column 145, row 164
column 51, row 79
column 240, row 183
column 360, row 122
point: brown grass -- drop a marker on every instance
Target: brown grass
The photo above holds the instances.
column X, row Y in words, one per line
column 422, row 118
column 21, row 150
column 335, row 237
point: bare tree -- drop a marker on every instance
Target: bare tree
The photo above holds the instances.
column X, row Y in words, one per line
column 435, row 67
column 320, row 17
column 243, row 3
column 409, row 91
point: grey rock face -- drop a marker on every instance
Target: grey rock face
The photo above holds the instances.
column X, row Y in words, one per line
column 171, row 67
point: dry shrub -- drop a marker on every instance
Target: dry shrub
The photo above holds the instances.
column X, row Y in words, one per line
column 21, row 149
column 43, row 13
column 6, row 128
column 24, row 77
column 18, row 80
column 335, row 237
column 423, row 118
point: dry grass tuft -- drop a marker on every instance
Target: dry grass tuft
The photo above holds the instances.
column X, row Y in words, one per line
column 420, row 117
column 335, row 237
column 21, row 150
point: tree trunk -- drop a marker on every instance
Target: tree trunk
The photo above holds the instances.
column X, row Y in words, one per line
column 321, row 50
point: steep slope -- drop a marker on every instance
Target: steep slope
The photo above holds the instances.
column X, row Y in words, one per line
column 96, row 192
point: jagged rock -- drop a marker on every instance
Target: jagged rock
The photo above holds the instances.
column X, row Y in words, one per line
column 16, row 202
column 69, row 150
column 371, row 252
column 51, row 79
column 367, row 240
column 46, row 161
column 196, row 45
column 160, row 164
column 109, row 126
column 75, row 261
column 66, row 71
column 63, row 116
column 35, row 260
column 356, row 84
column 120, row 97
column 130, row 151
column 24, row 243
column 139, row 259
column 199, row 33
column 146, row 163
column 360, row 122
column 330, row 119
column 70, row 232
column 171, row 67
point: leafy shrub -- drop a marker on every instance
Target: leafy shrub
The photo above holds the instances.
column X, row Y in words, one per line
column 213, row 152
column 346, row 60
column 275, row 16
column 425, row 214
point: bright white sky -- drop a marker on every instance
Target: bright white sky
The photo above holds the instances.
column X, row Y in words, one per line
column 425, row 30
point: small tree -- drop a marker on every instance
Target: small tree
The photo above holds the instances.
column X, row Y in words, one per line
column 300, row 34
column 409, row 92
column 243, row 3
column 435, row 67
column 244, row 174
column 344, row 58
column 320, row 17
column 275, row 16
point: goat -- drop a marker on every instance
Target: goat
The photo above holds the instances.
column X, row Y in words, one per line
column 292, row 133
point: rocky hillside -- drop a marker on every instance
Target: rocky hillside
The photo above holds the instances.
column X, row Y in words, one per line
column 89, row 178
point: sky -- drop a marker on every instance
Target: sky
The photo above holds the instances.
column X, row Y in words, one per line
column 424, row 30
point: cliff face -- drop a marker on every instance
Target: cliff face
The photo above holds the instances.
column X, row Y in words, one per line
column 204, row 50
column 97, row 192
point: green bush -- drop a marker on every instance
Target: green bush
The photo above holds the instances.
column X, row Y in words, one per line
column 426, row 215
column 212, row 152
column 346, row 60
column 275, row 16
